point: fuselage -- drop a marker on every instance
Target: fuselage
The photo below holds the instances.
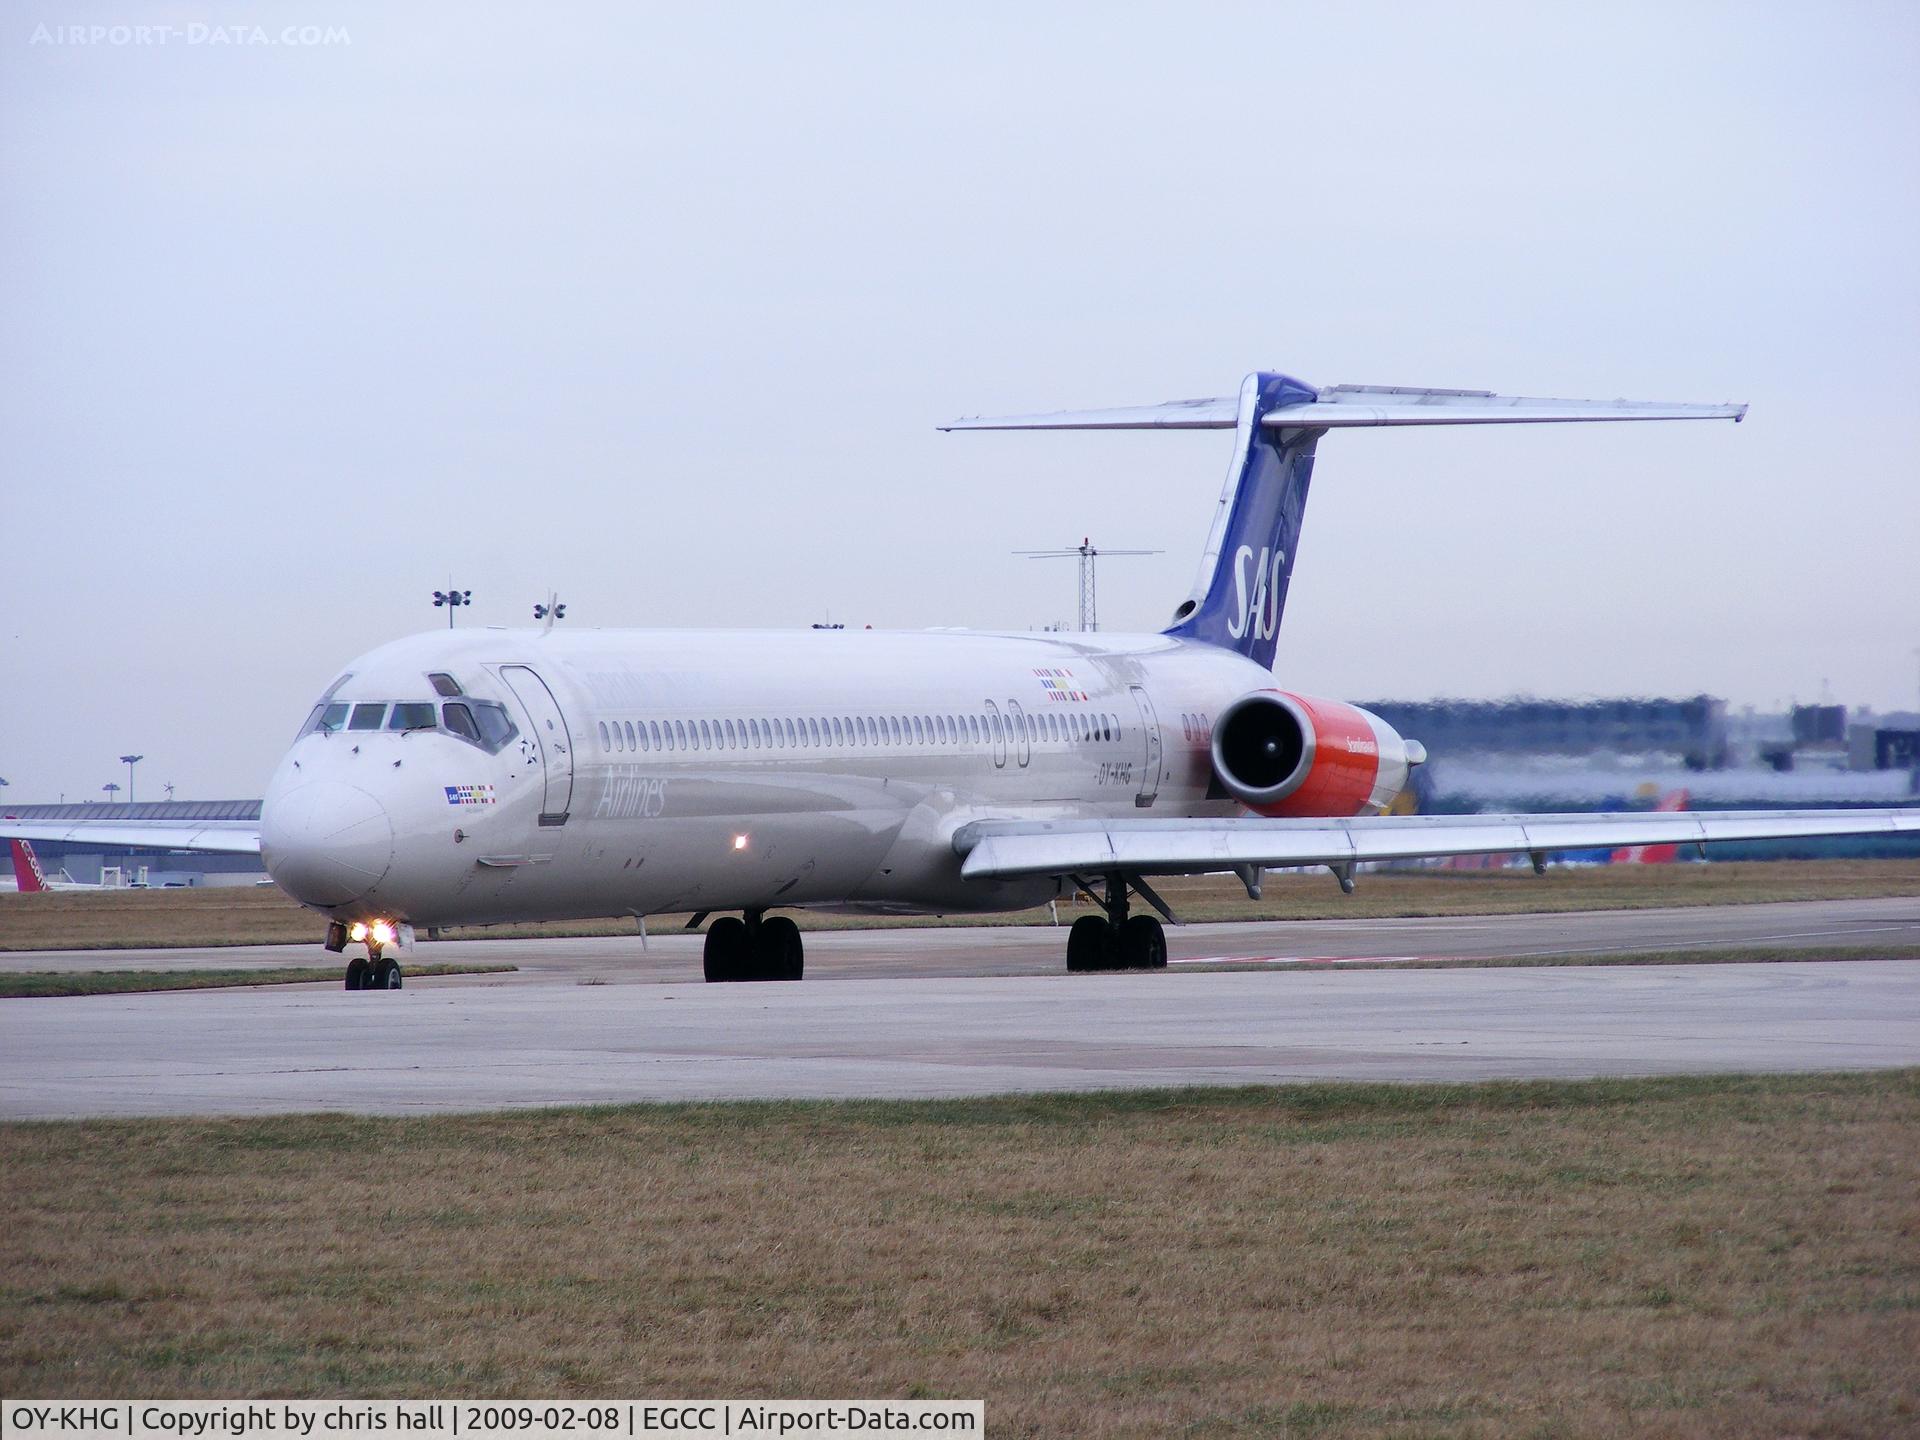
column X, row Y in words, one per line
column 611, row 772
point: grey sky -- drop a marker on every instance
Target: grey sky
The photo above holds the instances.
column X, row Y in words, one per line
column 660, row 307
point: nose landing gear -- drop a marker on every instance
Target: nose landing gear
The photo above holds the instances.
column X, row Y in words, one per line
column 377, row 971
column 754, row 948
column 1118, row 941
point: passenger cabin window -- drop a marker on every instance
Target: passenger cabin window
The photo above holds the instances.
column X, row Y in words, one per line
column 367, row 716
column 444, row 685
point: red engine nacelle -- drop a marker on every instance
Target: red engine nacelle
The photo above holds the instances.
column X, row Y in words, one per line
column 1283, row 754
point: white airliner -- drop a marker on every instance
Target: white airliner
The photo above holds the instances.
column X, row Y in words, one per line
column 480, row 776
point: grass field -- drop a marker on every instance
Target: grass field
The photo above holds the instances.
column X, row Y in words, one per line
column 133, row 919
column 1701, row 1257
column 38, row 984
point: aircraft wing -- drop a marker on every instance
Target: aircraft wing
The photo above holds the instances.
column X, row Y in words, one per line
column 1140, row 846
column 1336, row 407
column 216, row 837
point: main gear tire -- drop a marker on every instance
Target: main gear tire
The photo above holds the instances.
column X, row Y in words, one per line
column 725, row 957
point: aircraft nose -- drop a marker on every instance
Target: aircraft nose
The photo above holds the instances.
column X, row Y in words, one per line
column 326, row 843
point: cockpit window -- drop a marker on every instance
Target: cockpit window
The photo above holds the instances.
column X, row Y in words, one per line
column 444, row 684
column 325, row 718
column 495, row 728
column 484, row 723
column 459, row 721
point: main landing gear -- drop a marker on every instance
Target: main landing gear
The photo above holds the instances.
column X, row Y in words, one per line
column 756, row 948
column 1117, row 940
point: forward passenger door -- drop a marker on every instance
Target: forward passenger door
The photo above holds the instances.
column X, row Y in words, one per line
column 550, row 737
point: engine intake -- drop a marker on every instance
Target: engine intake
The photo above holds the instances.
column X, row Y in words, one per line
column 1283, row 754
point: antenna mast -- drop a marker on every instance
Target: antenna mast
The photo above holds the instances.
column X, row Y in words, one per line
column 1087, row 553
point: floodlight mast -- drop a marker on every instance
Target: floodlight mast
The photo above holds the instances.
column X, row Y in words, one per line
column 453, row 600
column 1088, row 552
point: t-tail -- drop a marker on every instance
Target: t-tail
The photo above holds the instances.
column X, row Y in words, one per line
column 1240, row 595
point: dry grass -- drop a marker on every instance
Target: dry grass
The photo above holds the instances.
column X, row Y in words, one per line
column 263, row 916
column 41, row 984
column 1710, row 1257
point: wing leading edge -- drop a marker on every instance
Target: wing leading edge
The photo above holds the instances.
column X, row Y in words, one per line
column 994, row 849
column 212, row 837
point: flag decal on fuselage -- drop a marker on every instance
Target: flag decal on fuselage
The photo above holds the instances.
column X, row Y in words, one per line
column 1055, row 679
column 469, row 794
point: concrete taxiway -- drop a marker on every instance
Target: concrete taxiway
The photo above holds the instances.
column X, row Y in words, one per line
column 558, row 1033
column 673, row 955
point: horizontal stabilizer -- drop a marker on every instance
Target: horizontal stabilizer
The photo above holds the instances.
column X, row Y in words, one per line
column 1008, row 848
column 1357, row 406
column 1174, row 415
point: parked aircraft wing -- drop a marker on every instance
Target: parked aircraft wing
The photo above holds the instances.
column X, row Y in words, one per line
column 215, row 837
column 1004, row 848
column 1335, row 407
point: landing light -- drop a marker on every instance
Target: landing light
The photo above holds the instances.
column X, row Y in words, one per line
column 739, row 842
column 382, row 933
column 356, row 931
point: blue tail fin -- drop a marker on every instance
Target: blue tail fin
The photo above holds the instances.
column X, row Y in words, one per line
column 1241, row 593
